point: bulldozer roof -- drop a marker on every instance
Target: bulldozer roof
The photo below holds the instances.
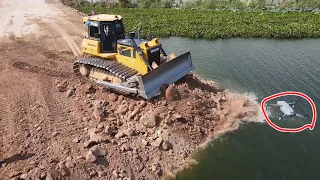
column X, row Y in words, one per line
column 127, row 41
column 102, row 17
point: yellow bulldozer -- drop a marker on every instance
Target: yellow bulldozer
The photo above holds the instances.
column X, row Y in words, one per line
column 130, row 64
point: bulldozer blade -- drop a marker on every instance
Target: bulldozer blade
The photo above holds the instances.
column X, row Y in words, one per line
column 118, row 86
column 165, row 74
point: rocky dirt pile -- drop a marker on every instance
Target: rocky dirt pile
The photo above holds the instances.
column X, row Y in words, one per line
column 129, row 138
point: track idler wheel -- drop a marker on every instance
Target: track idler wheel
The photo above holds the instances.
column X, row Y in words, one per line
column 84, row 70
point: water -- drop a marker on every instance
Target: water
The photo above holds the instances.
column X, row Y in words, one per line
column 263, row 67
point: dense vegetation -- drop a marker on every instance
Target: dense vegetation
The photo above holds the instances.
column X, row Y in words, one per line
column 198, row 4
column 217, row 24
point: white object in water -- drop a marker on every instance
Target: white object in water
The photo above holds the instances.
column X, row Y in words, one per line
column 287, row 110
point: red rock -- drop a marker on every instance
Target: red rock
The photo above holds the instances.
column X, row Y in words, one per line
column 149, row 119
column 122, row 109
column 157, row 142
column 113, row 97
column 98, row 151
column 90, row 157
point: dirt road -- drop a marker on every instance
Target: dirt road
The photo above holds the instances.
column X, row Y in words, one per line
column 38, row 42
column 49, row 119
column 59, row 27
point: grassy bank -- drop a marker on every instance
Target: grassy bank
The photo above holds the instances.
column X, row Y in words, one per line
column 217, row 24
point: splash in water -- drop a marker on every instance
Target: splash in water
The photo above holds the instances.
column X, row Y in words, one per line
column 240, row 107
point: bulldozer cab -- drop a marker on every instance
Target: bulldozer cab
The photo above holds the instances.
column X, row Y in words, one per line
column 106, row 29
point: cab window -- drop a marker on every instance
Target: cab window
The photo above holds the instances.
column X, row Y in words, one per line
column 94, row 31
column 124, row 51
column 119, row 31
column 127, row 52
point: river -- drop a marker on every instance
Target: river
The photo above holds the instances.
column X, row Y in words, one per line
column 262, row 67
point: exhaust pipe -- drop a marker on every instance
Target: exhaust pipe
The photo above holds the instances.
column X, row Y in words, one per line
column 139, row 33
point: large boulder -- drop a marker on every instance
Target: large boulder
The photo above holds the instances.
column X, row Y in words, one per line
column 166, row 145
column 91, row 157
column 128, row 132
column 99, row 109
column 113, row 97
column 134, row 112
column 94, row 139
column 70, row 92
column 157, row 142
column 149, row 119
column 98, row 151
column 109, row 130
column 172, row 93
column 90, row 89
column 122, row 109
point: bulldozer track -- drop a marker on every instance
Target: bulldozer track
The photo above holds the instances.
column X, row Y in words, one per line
column 57, row 118
column 38, row 70
column 58, row 108
column 113, row 67
column 107, row 66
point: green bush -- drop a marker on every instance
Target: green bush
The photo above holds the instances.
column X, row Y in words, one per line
column 257, row 3
column 217, row 24
column 149, row 3
column 67, row 2
column 167, row 3
column 74, row 3
column 192, row 4
column 308, row 3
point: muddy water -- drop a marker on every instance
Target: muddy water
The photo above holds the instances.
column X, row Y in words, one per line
column 261, row 67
